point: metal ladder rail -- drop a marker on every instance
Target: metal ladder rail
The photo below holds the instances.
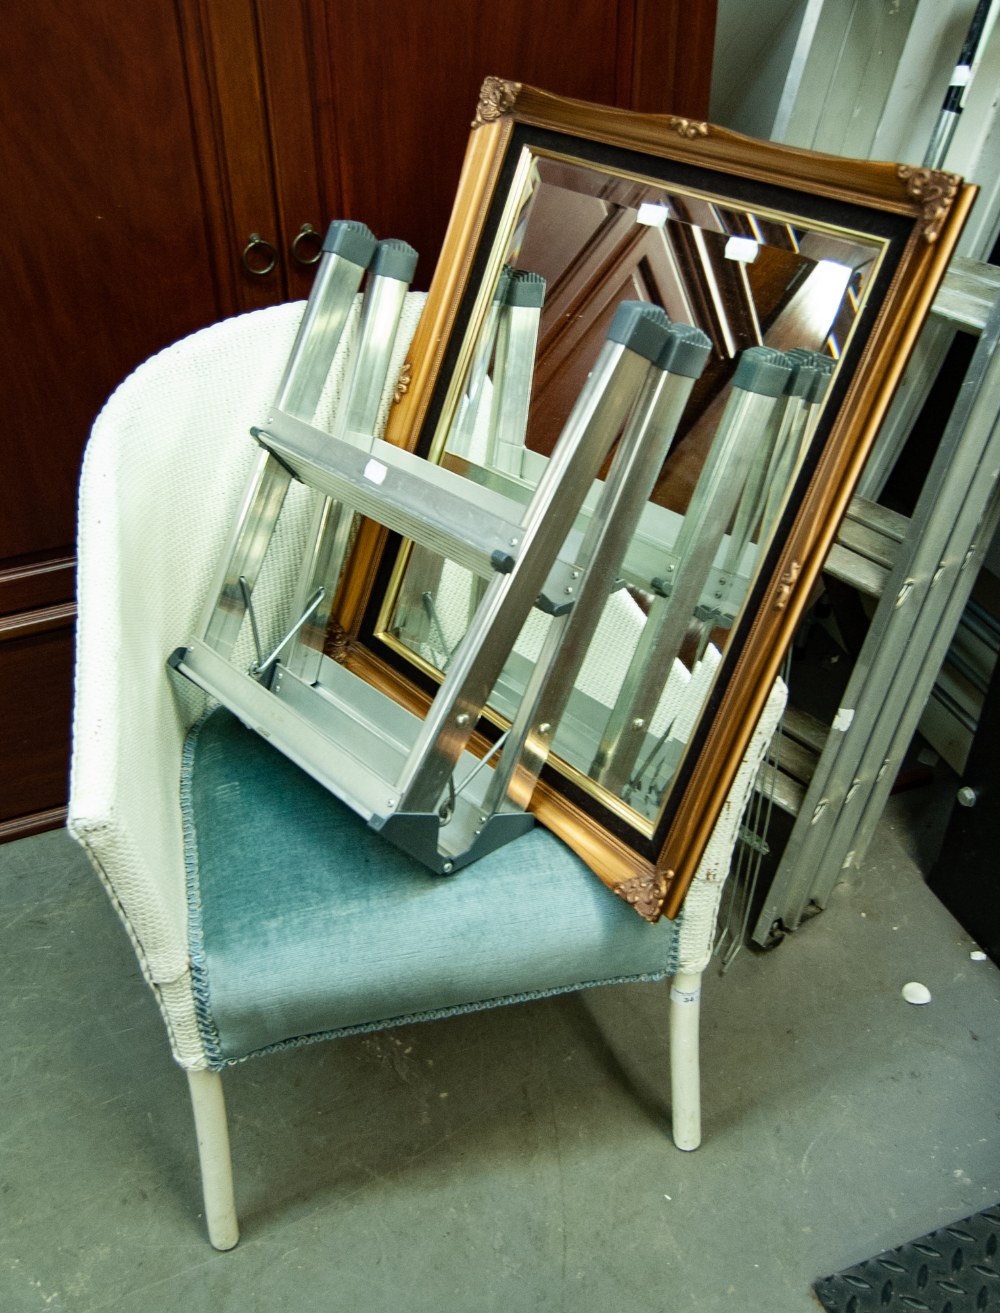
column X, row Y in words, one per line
column 516, row 346
column 500, row 373
column 922, row 571
column 347, row 249
column 870, row 537
column 390, row 273
column 757, row 388
column 636, row 465
column 634, row 340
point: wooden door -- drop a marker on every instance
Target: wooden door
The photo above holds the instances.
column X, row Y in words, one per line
column 396, row 84
column 121, row 233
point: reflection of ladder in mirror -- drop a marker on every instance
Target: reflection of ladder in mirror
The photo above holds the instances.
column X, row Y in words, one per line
column 836, row 779
column 492, row 418
column 769, row 409
column 400, row 771
column 489, row 429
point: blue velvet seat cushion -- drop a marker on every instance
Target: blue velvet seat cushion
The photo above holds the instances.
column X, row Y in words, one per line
column 305, row 923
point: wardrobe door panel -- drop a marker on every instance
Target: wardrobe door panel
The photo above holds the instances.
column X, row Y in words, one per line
column 121, row 234
column 396, row 87
column 103, row 243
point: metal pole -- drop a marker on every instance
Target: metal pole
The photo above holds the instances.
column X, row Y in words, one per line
column 958, row 88
column 347, row 249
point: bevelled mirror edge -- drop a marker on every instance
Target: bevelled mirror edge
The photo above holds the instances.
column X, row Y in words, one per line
column 934, row 204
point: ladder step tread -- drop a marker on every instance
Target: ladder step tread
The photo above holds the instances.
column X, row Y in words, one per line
column 860, row 572
column 794, row 759
column 880, row 518
column 868, row 543
column 967, row 293
column 805, row 728
column 786, row 794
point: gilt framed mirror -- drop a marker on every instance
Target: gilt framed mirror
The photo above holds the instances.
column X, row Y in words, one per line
column 771, row 256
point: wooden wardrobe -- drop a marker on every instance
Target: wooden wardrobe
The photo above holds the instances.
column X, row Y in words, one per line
column 166, row 165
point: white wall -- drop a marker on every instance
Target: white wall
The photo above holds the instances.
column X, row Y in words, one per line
column 754, row 45
column 861, row 78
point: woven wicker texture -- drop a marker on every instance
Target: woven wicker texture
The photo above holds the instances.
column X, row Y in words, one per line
column 163, row 478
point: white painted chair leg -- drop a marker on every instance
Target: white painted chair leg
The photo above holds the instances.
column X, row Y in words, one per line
column 212, row 1131
column 685, row 1071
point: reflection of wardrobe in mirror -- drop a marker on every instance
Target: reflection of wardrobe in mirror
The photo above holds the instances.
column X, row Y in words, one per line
column 592, row 255
column 596, row 241
column 145, row 146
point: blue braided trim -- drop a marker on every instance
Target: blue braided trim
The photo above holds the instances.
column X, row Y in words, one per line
column 219, row 1063
column 196, row 938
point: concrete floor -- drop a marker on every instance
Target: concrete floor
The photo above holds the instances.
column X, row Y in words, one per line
column 511, row 1160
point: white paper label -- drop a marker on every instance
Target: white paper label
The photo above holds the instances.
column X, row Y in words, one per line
column 962, row 75
column 375, row 471
column 842, row 720
column 685, row 997
column 743, row 249
column 653, row 215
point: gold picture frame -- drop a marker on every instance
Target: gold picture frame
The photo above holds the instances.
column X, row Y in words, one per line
column 912, row 215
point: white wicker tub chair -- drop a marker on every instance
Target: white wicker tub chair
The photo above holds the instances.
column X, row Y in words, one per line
column 187, row 817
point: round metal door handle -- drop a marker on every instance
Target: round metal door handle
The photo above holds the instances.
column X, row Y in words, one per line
column 303, row 235
column 267, row 251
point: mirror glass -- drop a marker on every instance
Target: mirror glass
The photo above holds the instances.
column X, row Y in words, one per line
column 574, row 241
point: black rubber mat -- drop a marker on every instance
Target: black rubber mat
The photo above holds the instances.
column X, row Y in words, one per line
column 954, row 1270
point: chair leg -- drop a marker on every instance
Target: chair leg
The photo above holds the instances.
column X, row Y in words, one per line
column 685, row 1074
column 213, row 1153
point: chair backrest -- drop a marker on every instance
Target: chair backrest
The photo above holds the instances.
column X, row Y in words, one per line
column 162, row 480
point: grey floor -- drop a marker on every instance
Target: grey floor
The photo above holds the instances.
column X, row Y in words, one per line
column 511, row 1160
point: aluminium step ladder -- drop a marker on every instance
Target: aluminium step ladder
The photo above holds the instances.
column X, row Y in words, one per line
column 836, row 779
column 415, row 779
